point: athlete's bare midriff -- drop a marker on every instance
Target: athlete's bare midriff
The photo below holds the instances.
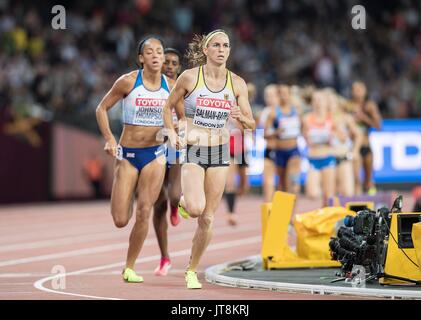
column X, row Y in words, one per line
column 270, row 143
column 365, row 140
column 286, row 144
column 140, row 136
column 320, row 151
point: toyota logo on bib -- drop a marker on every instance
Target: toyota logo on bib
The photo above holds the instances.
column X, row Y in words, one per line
column 213, row 103
column 149, row 102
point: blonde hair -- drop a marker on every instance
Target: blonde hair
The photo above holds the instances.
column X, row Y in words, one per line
column 271, row 86
column 195, row 55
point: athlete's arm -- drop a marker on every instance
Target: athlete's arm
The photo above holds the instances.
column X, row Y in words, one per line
column 356, row 135
column 242, row 113
column 179, row 108
column 269, row 132
column 371, row 117
column 175, row 100
column 376, row 118
column 120, row 88
column 305, row 130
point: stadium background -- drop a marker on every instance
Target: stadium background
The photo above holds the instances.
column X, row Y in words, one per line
column 52, row 80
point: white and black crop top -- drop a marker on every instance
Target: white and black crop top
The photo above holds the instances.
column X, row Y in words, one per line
column 210, row 109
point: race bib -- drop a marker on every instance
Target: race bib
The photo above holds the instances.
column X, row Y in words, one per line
column 319, row 136
column 211, row 113
column 290, row 128
column 149, row 112
column 174, row 117
column 119, row 153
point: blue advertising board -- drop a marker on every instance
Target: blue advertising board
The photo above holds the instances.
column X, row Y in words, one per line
column 396, row 153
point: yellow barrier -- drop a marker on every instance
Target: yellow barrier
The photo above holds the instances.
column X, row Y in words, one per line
column 276, row 253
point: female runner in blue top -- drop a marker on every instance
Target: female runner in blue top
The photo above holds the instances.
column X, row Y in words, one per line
column 140, row 156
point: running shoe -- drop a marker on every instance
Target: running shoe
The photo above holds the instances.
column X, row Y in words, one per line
column 163, row 267
column 129, row 275
column 372, row 191
column 231, row 219
column 174, row 218
column 183, row 212
column 191, row 280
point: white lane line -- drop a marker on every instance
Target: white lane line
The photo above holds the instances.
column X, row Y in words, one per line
column 18, row 292
column 59, row 241
column 66, row 254
column 57, row 232
column 47, row 274
column 62, row 241
column 213, row 247
column 117, row 246
column 14, row 283
column 18, row 275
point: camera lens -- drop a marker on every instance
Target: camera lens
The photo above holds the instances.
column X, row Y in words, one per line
column 349, row 221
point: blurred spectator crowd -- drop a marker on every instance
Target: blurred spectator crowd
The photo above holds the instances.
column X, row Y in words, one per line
column 63, row 74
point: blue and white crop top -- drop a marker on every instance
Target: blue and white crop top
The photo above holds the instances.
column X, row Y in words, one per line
column 290, row 123
column 142, row 107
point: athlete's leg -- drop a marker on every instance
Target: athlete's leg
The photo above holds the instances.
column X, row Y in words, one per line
column 313, row 183
column 160, row 221
column 356, row 163
column 244, row 183
column 174, row 192
column 368, row 171
column 282, row 174
column 193, row 199
column 268, row 180
column 293, row 174
column 345, row 178
column 122, row 194
column 161, row 229
column 150, row 183
column 215, row 179
column 230, row 191
column 231, row 185
column 328, row 184
column 174, row 184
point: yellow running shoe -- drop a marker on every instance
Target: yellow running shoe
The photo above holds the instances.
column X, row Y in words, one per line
column 130, row 276
column 183, row 212
column 191, row 279
column 372, row 191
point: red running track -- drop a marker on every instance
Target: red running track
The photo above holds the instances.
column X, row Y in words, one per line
column 37, row 241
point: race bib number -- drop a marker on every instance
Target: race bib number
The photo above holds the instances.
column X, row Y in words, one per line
column 211, row 113
column 149, row 112
column 174, row 117
column 119, row 153
column 290, row 128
